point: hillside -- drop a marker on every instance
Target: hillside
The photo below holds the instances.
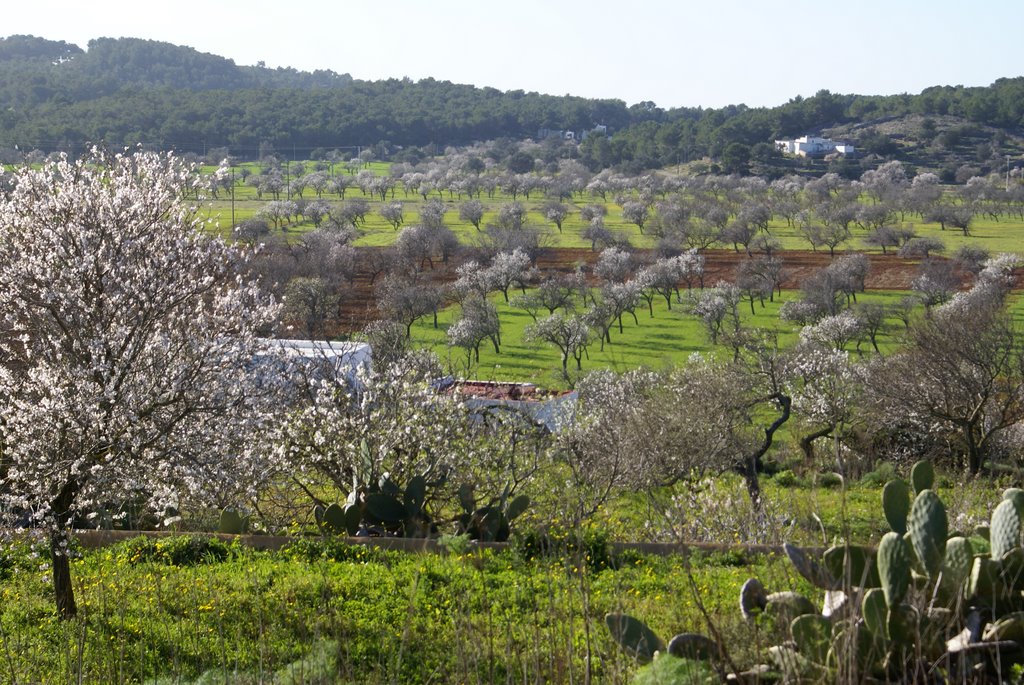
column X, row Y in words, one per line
column 124, row 91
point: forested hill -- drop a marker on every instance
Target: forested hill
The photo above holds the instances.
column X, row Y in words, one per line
column 55, row 95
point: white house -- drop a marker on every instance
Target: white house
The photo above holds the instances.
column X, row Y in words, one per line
column 345, row 359
column 813, row 146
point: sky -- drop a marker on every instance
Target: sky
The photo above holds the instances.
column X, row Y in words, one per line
column 706, row 53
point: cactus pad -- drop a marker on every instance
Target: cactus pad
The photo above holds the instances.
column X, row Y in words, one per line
column 875, row 612
column 384, row 508
column 956, row 566
column 1009, row 627
column 983, row 584
column 1015, row 495
column 928, row 528
column 812, row 635
column 415, row 495
column 851, row 565
column 788, row 605
column 1004, row 529
column 693, row 646
column 231, row 522
column 634, row 636
column 922, row 476
column 903, row 624
column 333, row 518
column 753, row 598
column 896, row 505
column 893, row 568
column 810, row 569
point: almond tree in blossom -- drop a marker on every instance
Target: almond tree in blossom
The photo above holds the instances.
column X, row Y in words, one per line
column 127, row 342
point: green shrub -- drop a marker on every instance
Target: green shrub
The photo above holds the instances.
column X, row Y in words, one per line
column 883, row 472
column 669, row 669
column 829, row 481
column 178, row 550
column 332, row 549
column 589, row 544
column 788, row 479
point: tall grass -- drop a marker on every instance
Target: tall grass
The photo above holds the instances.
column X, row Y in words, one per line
column 326, row 613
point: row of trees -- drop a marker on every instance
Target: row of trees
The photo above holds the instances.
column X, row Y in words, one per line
column 699, row 212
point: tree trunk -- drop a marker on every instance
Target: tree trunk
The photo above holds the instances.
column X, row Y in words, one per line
column 975, row 455
column 63, row 591
column 751, row 464
column 749, row 473
column 807, row 443
column 59, row 537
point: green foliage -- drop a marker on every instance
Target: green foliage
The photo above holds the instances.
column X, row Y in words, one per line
column 883, row 472
column 310, row 549
column 175, row 550
column 364, row 615
column 102, row 90
column 667, row 669
column 829, row 480
column 787, row 479
column 591, row 545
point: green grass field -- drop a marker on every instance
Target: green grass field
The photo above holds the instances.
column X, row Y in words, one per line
column 189, row 610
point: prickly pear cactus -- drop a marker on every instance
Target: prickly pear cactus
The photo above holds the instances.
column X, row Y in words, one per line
column 693, row 646
column 1009, row 627
column 634, row 636
column 957, row 565
column 903, row 624
column 386, row 509
column 1004, row 529
column 231, row 522
column 333, row 518
column 958, row 586
column 809, row 568
column 928, row 527
column 516, row 507
column 852, row 566
column 875, row 612
column 893, row 568
column 1015, row 495
column 786, row 606
column 896, row 505
column 753, row 598
column 983, row 584
column 813, row 636
column 922, row 476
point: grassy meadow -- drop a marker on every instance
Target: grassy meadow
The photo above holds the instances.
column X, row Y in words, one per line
column 199, row 610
